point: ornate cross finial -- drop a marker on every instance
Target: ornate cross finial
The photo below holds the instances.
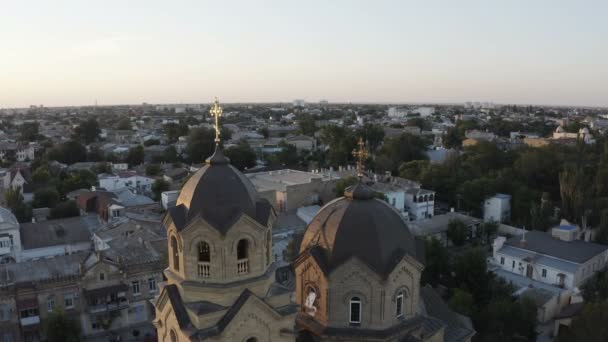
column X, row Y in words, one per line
column 216, row 111
column 360, row 154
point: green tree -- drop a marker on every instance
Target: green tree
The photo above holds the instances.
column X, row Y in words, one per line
column 153, row 170
column 341, row 142
column 124, row 124
column 136, row 155
column 29, row 131
column 307, row 125
column 572, row 189
column 437, row 268
column 170, row 154
column 158, row 187
column 151, row 142
column 401, row 149
column 589, row 325
column 46, row 198
column 174, row 131
column 488, row 229
column 471, row 274
column 372, row 134
column 41, row 175
column 87, row 131
column 462, row 302
column 200, row 144
column 344, row 183
column 59, row 327
column 82, row 179
column 264, row 132
column 241, row 156
column 414, row 170
column 13, row 198
column 288, row 156
column 69, row 152
column 64, row 209
column 457, row 232
column 507, row 320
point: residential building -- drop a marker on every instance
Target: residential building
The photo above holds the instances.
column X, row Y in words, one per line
column 437, row 226
column 126, row 179
column 548, row 259
column 497, row 208
column 288, row 190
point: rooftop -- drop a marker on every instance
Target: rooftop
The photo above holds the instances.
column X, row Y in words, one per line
column 58, row 232
column 279, row 180
column 542, row 243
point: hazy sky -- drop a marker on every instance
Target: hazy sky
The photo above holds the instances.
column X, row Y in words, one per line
column 508, row 51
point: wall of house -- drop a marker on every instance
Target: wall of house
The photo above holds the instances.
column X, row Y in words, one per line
column 28, row 254
column 521, row 267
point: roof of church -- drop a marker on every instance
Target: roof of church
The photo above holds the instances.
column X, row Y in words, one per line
column 219, row 194
column 358, row 225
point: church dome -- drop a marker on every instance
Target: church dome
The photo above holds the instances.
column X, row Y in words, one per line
column 220, row 194
column 362, row 226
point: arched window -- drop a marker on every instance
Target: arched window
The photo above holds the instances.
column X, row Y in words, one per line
column 420, row 199
column 175, row 253
column 251, row 339
column 311, row 301
column 426, row 198
column 204, row 259
column 242, row 249
column 355, row 311
column 173, row 336
column 204, row 254
column 431, row 197
column 268, row 247
column 242, row 255
column 399, row 304
column 415, row 199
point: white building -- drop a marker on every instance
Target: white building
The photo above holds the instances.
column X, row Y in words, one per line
column 10, row 238
column 169, row 198
column 546, row 258
column 497, row 208
column 130, row 180
column 398, row 112
column 406, row 196
column 424, row 111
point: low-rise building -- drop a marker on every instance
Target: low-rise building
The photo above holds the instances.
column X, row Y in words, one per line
column 126, row 179
column 548, row 259
column 437, row 226
column 288, row 190
column 497, row 208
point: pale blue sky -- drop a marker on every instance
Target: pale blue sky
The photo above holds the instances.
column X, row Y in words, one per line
column 508, row 51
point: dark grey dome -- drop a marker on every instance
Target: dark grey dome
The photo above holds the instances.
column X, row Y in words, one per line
column 359, row 225
column 220, row 194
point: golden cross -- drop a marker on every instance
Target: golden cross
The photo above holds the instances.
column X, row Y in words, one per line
column 216, row 111
column 361, row 154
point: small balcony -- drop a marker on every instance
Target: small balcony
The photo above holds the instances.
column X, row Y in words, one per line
column 27, row 321
column 204, row 269
column 99, row 308
column 242, row 266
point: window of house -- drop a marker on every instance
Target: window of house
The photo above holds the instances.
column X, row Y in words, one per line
column 4, row 312
column 175, row 254
column 399, row 303
column 152, row 284
column 135, row 288
column 50, row 304
column 544, row 273
column 513, row 266
column 242, row 249
column 394, row 201
column 355, row 311
column 102, row 276
column 173, row 336
column 68, row 300
column 204, row 253
column 502, row 260
column 8, row 337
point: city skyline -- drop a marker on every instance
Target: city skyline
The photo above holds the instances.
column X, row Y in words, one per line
column 71, row 53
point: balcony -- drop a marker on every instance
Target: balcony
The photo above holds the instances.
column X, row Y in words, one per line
column 27, row 321
column 204, row 269
column 242, row 266
column 99, row 308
